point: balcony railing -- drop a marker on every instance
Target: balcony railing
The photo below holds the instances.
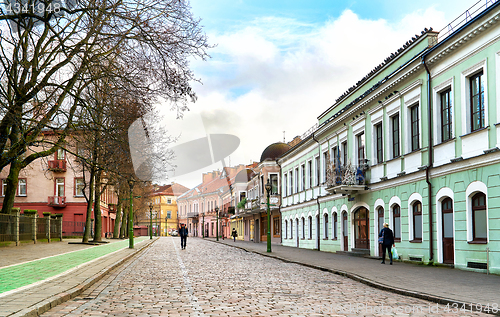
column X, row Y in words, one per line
column 192, row 214
column 57, row 201
column 57, row 165
column 346, row 178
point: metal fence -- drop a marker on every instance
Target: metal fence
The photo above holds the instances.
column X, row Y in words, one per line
column 73, row 228
column 41, row 228
column 7, row 228
column 25, row 228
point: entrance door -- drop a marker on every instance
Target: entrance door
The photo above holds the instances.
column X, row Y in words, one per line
column 297, row 231
column 317, row 232
column 344, row 230
column 380, row 227
column 448, row 241
column 257, row 231
column 361, row 229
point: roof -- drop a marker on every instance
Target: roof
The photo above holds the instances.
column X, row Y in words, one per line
column 170, row 190
column 274, row 151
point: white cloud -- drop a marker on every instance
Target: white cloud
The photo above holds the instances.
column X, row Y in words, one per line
column 279, row 74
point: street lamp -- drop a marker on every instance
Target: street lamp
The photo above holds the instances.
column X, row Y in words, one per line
column 268, row 189
column 217, row 228
column 203, row 228
column 131, row 217
column 150, row 220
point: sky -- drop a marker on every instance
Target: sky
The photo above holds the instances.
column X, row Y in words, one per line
column 276, row 65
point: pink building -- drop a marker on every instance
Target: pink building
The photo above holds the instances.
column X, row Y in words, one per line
column 56, row 184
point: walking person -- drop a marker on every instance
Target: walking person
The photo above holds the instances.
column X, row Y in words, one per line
column 234, row 234
column 387, row 241
column 183, row 232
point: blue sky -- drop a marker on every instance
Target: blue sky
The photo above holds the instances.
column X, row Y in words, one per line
column 276, row 64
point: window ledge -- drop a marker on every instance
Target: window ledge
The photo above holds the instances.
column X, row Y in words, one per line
column 478, row 130
column 394, row 158
column 416, row 241
column 447, row 141
column 334, row 239
column 477, row 242
column 325, row 239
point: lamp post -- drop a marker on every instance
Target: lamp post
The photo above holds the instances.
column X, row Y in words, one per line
column 131, row 217
column 217, row 228
column 268, row 189
column 203, row 226
column 150, row 220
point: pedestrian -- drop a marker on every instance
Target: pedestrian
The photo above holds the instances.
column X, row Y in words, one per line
column 183, row 232
column 234, row 234
column 387, row 241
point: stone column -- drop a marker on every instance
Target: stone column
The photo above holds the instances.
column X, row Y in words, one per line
column 46, row 215
column 15, row 214
column 59, row 222
column 34, row 215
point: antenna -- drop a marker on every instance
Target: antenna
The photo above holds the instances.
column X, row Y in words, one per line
column 284, row 137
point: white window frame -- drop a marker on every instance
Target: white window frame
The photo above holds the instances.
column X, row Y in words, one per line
column 465, row 85
column 437, row 91
column 19, row 185
column 414, row 198
column 471, row 190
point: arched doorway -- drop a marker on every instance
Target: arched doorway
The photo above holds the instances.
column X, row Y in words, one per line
column 361, row 228
column 447, row 230
column 344, row 230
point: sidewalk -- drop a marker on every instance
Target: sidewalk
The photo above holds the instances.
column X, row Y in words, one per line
column 36, row 277
column 437, row 284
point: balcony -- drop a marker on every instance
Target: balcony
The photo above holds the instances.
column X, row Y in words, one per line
column 57, row 165
column 192, row 214
column 346, row 179
column 57, row 201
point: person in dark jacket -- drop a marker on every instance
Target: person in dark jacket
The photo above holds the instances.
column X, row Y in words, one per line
column 183, row 233
column 234, row 234
column 388, row 241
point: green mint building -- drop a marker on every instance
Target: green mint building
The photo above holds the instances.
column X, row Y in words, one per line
column 415, row 143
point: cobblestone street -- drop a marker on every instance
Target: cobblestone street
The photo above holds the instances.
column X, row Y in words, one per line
column 210, row 279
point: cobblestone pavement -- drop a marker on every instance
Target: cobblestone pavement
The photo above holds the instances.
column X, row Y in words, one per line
column 210, row 279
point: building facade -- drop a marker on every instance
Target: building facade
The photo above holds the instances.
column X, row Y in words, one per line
column 164, row 208
column 415, row 144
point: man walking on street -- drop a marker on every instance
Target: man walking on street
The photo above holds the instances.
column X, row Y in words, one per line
column 183, row 232
column 387, row 241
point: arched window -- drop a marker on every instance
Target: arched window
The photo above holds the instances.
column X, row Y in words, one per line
column 286, row 229
column 334, row 226
column 303, row 228
column 380, row 214
column 479, row 225
column 417, row 221
column 325, row 218
column 396, row 222
column 310, row 227
column 291, row 228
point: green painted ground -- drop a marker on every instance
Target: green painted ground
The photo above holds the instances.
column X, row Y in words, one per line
column 28, row 273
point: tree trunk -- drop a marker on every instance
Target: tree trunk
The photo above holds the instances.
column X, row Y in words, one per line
column 97, row 208
column 116, row 229
column 88, row 224
column 10, row 190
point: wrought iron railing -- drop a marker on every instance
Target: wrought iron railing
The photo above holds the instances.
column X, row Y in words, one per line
column 347, row 174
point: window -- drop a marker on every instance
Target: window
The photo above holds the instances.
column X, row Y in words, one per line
column 60, row 154
column 344, row 152
column 291, row 183
column 446, row 132
column 380, row 218
column 360, row 143
column 79, row 187
column 415, row 134
column 479, row 226
column 274, row 184
column 60, row 187
column 243, row 195
column 396, row 222
column 291, row 228
column 169, row 200
column 276, row 226
column 335, row 156
column 417, row 221
column 334, row 226
column 303, row 228
column 310, row 227
column 325, row 218
column 477, row 101
column 297, row 180
column 325, row 165
column 395, row 136
column 317, row 170
column 379, row 143
column 303, row 173
column 285, row 185
column 169, row 214
column 4, row 186
column 21, row 187
column 309, row 169
column 286, row 229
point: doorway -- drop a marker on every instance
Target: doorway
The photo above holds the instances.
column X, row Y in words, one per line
column 448, row 239
column 344, row 231
column 361, row 228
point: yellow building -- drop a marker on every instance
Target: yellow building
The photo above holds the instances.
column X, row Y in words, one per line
column 164, row 199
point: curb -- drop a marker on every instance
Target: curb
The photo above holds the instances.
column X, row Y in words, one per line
column 367, row 281
column 46, row 304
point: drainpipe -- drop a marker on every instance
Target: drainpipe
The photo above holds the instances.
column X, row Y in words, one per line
column 279, row 206
column 319, row 192
column 429, row 165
